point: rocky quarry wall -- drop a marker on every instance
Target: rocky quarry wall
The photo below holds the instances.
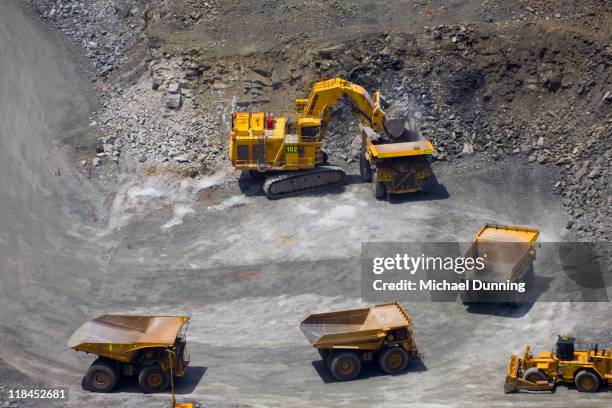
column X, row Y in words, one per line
column 537, row 87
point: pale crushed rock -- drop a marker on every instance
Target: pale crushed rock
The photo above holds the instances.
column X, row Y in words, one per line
column 140, row 196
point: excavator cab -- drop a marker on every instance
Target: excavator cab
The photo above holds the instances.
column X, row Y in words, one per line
column 309, row 129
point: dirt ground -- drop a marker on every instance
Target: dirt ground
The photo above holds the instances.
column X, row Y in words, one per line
column 246, row 269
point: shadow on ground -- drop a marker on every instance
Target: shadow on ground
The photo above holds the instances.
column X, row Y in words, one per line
column 537, row 285
column 252, row 186
column 182, row 386
column 369, row 370
column 434, row 191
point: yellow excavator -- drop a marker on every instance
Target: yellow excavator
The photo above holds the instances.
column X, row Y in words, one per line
column 286, row 148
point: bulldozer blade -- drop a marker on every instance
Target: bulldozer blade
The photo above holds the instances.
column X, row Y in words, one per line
column 514, row 382
column 512, row 374
column 510, row 387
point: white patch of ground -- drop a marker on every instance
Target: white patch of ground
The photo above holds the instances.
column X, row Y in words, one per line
column 141, row 196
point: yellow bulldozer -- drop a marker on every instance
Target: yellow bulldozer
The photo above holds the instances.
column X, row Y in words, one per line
column 287, row 148
column 588, row 369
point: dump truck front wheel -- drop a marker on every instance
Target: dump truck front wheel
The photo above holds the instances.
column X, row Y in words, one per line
column 153, row 379
column 364, row 168
column 534, row 375
column 587, row 381
column 380, row 190
column 393, row 360
column 102, row 376
column 344, row 366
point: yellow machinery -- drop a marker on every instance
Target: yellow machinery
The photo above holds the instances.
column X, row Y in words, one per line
column 152, row 347
column 346, row 339
column 397, row 167
column 508, row 252
column 290, row 144
column 588, row 369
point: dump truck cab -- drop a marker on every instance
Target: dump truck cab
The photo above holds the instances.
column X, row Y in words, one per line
column 152, row 347
column 347, row 338
column 588, row 368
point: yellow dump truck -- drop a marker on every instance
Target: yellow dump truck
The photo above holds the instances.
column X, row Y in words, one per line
column 399, row 165
column 346, row 339
column 507, row 253
column 152, row 347
column 588, row 369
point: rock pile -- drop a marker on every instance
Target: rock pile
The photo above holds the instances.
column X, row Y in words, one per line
column 158, row 120
column 105, row 29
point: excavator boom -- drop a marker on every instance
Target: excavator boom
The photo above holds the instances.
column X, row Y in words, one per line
column 325, row 94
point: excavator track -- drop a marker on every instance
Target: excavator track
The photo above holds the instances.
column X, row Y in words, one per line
column 305, row 181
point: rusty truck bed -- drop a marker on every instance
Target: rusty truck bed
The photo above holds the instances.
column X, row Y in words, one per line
column 357, row 328
column 118, row 336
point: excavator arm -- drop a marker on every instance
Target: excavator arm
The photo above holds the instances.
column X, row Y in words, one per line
column 325, row 94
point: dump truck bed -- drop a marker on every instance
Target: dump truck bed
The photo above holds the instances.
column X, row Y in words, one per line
column 408, row 143
column 117, row 336
column 507, row 233
column 403, row 149
column 507, row 251
column 358, row 328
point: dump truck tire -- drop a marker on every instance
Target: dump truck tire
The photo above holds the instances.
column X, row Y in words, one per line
column 587, row 381
column 364, row 168
column 393, row 360
column 344, row 366
column 533, row 375
column 102, row 376
column 153, row 379
column 380, row 190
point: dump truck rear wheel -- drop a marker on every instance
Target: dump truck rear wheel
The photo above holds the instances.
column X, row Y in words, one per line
column 102, row 376
column 393, row 360
column 344, row 366
column 534, row 375
column 153, row 379
column 364, row 168
column 587, row 381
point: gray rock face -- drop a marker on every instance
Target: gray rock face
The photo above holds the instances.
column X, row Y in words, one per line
column 174, row 87
column 173, row 101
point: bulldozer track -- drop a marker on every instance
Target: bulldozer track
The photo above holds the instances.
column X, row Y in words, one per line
column 300, row 182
